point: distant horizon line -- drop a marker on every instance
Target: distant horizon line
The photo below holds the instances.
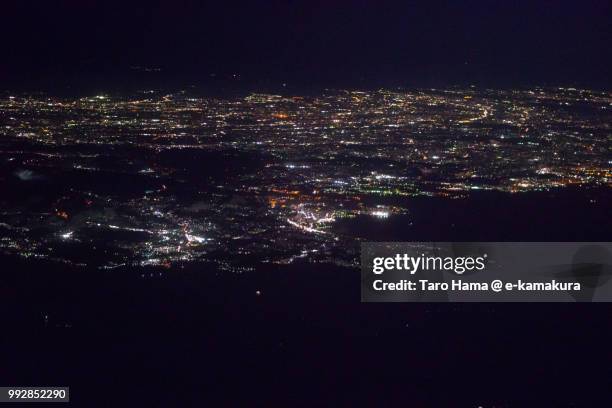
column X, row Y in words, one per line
column 282, row 90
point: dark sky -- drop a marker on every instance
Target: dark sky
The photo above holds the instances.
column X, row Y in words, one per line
column 312, row 43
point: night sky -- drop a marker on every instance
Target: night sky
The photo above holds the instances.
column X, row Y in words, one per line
column 308, row 43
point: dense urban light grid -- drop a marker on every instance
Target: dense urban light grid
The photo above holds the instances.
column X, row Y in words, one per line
column 163, row 179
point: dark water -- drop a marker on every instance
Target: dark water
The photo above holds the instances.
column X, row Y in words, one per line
column 557, row 215
column 194, row 335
